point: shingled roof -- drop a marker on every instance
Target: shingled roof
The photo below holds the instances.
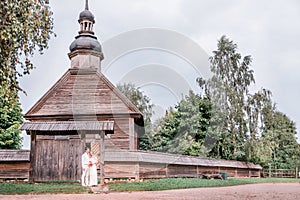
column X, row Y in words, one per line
column 82, row 92
column 68, row 126
column 158, row 157
column 14, row 155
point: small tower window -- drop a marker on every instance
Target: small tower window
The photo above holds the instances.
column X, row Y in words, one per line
column 85, row 26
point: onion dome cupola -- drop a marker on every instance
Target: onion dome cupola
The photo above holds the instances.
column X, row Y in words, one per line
column 86, row 15
column 85, row 50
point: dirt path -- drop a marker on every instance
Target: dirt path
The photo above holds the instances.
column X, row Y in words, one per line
column 268, row 191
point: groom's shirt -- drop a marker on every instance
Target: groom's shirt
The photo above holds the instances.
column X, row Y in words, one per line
column 85, row 160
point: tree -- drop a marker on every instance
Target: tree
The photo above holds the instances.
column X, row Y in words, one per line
column 228, row 89
column 185, row 129
column 10, row 120
column 258, row 107
column 280, row 134
column 25, row 26
column 277, row 147
column 251, row 128
column 227, row 121
column 143, row 103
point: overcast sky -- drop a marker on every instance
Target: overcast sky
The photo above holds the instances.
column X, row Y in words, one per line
column 269, row 31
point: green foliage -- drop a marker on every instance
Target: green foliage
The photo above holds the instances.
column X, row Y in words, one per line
column 184, row 129
column 143, row 103
column 283, row 147
column 227, row 121
column 277, row 147
column 10, row 120
column 26, row 26
column 252, row 129
column 228, row 89
column 257, row 106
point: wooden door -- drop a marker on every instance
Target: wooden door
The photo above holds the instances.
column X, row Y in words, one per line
column 57, row 158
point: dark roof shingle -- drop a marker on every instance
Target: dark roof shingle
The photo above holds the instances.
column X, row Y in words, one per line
column 68, row 126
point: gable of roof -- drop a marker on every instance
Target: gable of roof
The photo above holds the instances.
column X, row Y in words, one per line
column 82, row 92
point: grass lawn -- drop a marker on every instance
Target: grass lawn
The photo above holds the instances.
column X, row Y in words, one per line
column 146, row 185
column 181, row 183
column 41, row 188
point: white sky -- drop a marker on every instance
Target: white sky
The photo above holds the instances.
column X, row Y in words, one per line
column 269, row 31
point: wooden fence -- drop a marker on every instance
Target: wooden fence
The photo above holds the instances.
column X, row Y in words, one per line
column 14, row 164
column 138, row 165
column 280, row 173
column 137, row 171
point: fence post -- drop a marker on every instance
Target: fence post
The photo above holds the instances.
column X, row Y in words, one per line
column 270, row 173
column 297, row 171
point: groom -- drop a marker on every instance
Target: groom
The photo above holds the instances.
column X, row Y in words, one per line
column 84, row 162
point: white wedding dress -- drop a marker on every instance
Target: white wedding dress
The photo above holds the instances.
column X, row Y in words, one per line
column 93, row 180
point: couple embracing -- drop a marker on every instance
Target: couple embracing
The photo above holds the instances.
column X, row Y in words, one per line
column 89, row 169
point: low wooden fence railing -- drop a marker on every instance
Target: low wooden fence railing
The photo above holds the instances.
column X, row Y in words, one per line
column 280, row 173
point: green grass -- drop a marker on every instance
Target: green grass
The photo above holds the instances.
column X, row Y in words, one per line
column 181, row 183
column 42, row 188
column 74, row 187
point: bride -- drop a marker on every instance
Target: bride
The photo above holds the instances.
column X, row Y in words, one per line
column 93, row 162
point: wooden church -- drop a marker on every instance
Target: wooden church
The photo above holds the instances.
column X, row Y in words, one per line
column 83, row 107
column 81, row 104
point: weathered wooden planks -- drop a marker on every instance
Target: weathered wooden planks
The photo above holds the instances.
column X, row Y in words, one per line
column 14, row 170
column 56, row 159
column 182, row 170
column 152, row 170
column 62, row 161
column 139, row 170
column 84, row 94
column 120, row 170
column 14, row 164
column 136, row 164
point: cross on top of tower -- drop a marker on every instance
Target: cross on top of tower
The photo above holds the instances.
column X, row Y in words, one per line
column 86, row 4
column 86, row 15
column 86, row 47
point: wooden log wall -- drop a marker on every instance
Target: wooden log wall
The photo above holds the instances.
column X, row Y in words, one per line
column 182, row 171
column 14, row 170
column 50, row 167
column 140, row 170
column 120, row 140
column 121, row 170
column 14, row 164
column 208, row 170
column 152, row 170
